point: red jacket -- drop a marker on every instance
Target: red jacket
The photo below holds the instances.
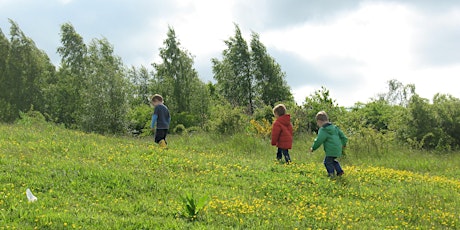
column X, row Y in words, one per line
column 282, row 132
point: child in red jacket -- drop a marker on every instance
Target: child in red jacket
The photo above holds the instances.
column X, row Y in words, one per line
column 282, row 133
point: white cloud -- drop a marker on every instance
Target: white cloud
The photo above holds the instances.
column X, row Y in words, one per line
column 201, row 26
column 65, row 2
column 351, row 48
column 378, row 38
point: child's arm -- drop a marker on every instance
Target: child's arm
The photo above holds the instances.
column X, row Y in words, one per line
column 275, row 134
column 319, row 140
column 154, row 120
column 343, row 138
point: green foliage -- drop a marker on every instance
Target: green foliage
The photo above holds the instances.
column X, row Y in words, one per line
column 139, row 80
column 433, row 126
column 139, row 118
column 179, row 129
column 371, row 141
column 247, row 75
column 398, row 93
column 226, row 119
column 320, row 100
column 65, row 94
column 176, row 79
column 233, row 73
column 7, row 111
column 376, row 114
column 31, row 118
column 264, row 112
column 24, row 71
column 104, row 99
column 193, row 206
column 186, row 119
column 270, row 84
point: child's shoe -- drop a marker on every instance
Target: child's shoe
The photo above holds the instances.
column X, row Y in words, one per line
column 340, row 173
column 163, row 144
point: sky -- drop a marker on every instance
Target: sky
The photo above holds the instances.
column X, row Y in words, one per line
column 352, row 48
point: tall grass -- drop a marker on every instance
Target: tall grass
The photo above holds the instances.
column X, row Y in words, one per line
column 87, row 181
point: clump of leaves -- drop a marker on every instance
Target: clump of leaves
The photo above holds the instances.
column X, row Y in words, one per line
column 193, row 206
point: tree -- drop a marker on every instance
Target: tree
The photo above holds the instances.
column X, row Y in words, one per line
column 320, row 100
column 66, row 92
column 447, row 109
column 233, row 74
column 176, row 72
column 5, row 107
column 421, row 124
column 140, row 80
column 271, row 86
column 104, row 99
column 27, row 70
column 177, row 81
column 398, row 93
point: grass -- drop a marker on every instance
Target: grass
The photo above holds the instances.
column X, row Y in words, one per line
column 88, row 181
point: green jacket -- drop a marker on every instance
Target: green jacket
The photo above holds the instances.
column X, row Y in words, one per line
column 332, row 138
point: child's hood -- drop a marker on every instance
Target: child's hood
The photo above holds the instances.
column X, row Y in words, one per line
column 329, row 128
column 284, row 120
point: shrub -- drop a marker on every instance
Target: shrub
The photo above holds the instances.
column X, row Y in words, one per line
column 184, row 118
column 139, row 119
column 31, row 117
column 179, row 129
column 368, row 140
column 262, row 128
column 226, row 120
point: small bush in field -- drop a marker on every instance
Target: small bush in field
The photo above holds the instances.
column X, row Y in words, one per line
column 179, row 129
column 371, row 141
column 226, row 120
column 262, row 128
column 31, row 117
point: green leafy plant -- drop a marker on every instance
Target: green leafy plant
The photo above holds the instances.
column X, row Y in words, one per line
column 193, row 206
column 179, row 129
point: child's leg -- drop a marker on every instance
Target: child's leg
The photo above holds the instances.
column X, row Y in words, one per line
column 329, row 164
column 286, row 155
column 337, row 167
column 279, row 154
column 160, row 135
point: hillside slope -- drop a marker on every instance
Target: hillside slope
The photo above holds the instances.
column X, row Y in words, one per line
column 91, row 181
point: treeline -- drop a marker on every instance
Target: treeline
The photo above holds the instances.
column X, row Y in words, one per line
column 92, row 90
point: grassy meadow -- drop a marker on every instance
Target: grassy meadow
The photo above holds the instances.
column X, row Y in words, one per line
column 88, row 181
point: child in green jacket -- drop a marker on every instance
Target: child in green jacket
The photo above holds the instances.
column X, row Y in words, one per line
column 333, row 140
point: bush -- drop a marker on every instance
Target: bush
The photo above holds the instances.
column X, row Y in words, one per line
column 184, row 118
column 261, row 128
column 371, row 141
column 31, row 117
column 139, row 119
column 193, row 129
column 265, row 112
column 179, row 129
column 226, row 120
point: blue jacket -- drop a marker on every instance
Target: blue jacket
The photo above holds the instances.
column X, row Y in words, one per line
column 161, row 117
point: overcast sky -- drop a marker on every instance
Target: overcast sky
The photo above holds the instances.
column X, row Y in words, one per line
column 350, row 47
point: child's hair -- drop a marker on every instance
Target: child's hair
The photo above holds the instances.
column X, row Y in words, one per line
column 279, row 110
column 156, row 97
column 322, row 116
